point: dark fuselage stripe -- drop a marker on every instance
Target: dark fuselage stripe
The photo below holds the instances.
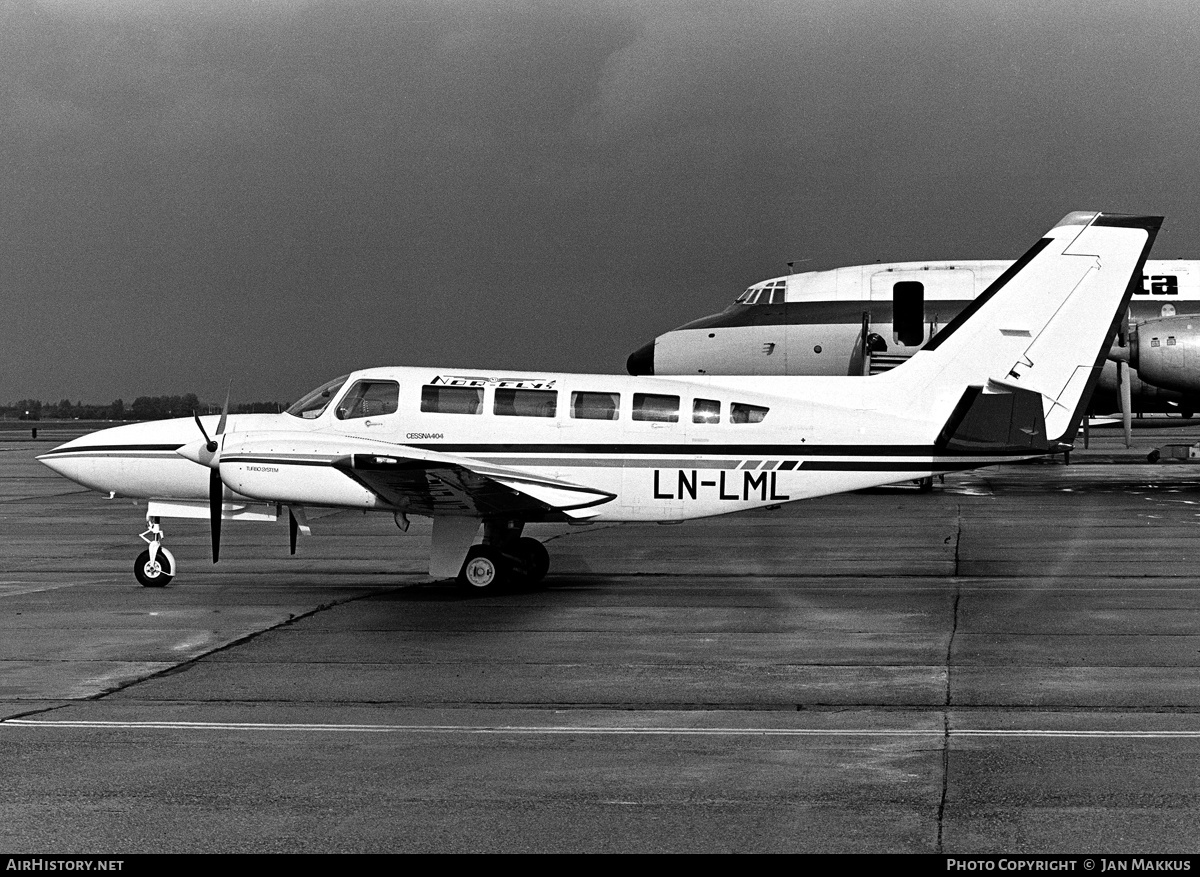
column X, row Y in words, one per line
column 738, row 450
column 119, row 449
column 849, row 313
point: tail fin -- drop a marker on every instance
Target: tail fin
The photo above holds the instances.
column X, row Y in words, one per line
column 1044, row 327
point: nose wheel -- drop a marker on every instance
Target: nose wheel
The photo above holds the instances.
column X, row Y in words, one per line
column 155, row 566
column 154, row 572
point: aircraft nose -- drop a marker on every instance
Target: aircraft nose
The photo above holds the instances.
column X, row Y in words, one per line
column 641, row 361
column 82, row 459
column 136, row 459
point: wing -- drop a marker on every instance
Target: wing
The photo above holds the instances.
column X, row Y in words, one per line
column 311, row 470
column 459, row 485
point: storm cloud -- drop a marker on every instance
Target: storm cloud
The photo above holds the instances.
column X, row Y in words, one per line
column 277, row 192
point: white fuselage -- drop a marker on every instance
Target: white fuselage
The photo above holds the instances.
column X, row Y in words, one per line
column 667, row 449
column 812, row 323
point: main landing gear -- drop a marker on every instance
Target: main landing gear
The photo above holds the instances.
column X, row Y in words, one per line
column 155, row 566
column 505, row 558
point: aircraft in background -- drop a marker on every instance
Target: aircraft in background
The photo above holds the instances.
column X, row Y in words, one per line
column 866, row 319
column 1004, row 380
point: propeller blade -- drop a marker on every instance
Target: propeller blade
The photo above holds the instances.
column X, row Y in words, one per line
column 215, row 489
column 224, row 411
column 293, row 529
column 1126, row 401
column 209, row 444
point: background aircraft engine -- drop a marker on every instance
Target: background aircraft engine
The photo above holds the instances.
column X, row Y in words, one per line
column 1166, row 352
column 297, row 471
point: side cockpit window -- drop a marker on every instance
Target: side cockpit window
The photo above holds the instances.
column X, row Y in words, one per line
column 369, row 399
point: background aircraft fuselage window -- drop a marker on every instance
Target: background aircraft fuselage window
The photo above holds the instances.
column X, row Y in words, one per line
column 370, row 399
column 452, row 400
column 706, row 411
column 652, row 406
column 739, row 412
column 595, row 406
column 525, row 403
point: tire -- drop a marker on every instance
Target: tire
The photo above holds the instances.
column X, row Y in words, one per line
column 485, row 569
column 158, row 575
column 535, row 559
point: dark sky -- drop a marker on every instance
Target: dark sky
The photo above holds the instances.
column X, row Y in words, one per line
column 276, row 192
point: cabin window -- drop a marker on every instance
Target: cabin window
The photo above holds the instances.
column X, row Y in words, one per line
column 595, row 406
column 706, row 411
column 369, row 399
column 525, row 403
column 739, row 412
column 652, row 406
column 452, row 400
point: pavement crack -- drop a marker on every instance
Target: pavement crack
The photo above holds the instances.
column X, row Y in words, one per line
column 184, row 666
column 949, row 695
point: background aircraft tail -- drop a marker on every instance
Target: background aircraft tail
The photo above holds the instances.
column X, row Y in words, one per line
column 1036, row 338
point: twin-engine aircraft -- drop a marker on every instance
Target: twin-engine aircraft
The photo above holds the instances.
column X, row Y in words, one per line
column 1005, row 380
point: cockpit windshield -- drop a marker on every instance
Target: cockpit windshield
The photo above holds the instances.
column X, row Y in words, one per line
column 312, row 404
column 772, row 293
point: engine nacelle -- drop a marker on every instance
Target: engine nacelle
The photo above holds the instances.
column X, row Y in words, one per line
column 1166, row 352
column 294, row 468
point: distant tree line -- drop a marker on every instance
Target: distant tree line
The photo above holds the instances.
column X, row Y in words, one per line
column 143, row 408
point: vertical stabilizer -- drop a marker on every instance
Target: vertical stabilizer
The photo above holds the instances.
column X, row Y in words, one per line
column 1044, row 327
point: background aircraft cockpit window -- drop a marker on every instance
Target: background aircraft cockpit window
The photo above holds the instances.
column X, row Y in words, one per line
column 771, row 294
column 525, row 403
column 310, row 406
column 739, row 412
column 595, row 406
column 452, row 400
column 369, row 399
column 706, row 411
column 652, row 406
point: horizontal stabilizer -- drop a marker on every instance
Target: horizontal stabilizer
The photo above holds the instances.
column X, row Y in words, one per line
column 1008, row 421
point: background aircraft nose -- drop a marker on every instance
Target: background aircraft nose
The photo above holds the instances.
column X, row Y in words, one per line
column 641, row 361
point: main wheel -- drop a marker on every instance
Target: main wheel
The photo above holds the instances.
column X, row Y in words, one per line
column 485, row 569
column 157, row 574
column 535, row 559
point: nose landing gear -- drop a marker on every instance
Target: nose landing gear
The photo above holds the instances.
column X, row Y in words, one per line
column 155, row 566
